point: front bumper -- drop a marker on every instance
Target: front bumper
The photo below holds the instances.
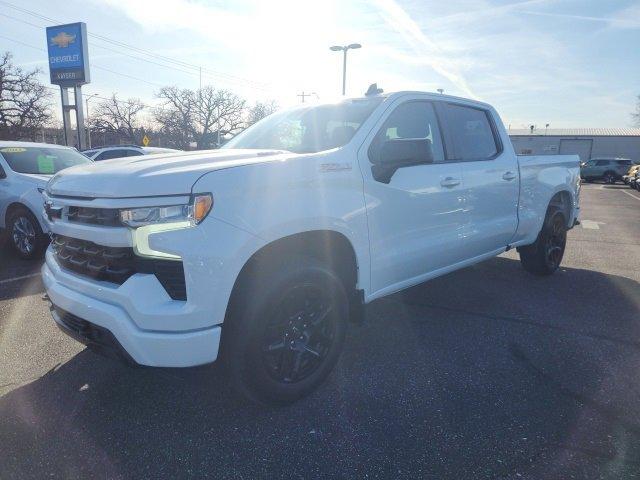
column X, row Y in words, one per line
column 145, row 347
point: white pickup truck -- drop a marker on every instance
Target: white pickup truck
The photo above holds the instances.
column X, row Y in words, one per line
column 264, row 249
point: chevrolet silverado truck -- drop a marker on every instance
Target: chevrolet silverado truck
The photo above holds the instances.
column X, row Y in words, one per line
column 259, row 253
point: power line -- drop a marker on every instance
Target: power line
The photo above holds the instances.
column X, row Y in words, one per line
column 93, row 65
column 259, row 85
column 39, row 27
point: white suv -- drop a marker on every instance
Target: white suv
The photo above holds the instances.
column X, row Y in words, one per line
column 25, row 169
column 119, row 151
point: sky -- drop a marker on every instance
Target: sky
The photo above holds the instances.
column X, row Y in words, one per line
column 560, row 62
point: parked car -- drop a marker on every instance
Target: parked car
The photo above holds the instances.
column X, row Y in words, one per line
column 634, row 182
column 119, row 151
column 25, row 169
column 630, row 174
column 609, row 170
column 263, row 250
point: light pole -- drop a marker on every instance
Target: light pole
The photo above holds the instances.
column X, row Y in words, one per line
column 344, row 49
column 86, row 101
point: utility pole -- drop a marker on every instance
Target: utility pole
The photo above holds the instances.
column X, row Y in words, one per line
column 303, row 95
column 86, row 101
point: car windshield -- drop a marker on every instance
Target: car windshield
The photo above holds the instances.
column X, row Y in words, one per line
column 308, row 129
column 41, row 160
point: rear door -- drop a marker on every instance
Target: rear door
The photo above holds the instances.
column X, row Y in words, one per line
column 588, row 170
column 490, row 178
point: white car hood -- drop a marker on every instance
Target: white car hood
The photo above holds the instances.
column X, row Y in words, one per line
column 152, row 175
column 36, row 178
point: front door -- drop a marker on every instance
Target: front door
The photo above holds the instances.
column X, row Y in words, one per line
column 415, row 218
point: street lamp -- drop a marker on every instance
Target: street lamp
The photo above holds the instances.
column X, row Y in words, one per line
column 344, row 49
column 86, row 101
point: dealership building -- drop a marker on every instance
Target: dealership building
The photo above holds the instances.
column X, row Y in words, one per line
column 586, row 142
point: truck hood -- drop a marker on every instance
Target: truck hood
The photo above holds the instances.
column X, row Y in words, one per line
column 152, row 175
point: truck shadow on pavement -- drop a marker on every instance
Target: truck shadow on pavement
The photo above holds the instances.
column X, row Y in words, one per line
column 484, row 373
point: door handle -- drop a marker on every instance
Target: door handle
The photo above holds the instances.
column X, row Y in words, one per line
column 509, row 176
column 449, row 182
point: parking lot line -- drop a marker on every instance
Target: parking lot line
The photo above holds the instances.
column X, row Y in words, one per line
column 630, row 194
column 590, row 224
column 23, row 277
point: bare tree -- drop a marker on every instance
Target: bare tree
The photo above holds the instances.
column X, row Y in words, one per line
column 24, row 102
column 220, row 114
column 260, row 110
column 175, row 116
column 204, row 116
column 119, row 119
column 636, row 115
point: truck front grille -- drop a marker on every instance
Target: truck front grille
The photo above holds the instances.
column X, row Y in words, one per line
column 117, row 264
column 109, row 217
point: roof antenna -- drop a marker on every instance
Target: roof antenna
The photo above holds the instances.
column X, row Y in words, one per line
column 373, row 90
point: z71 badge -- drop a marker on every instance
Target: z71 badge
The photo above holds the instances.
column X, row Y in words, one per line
column 334, row 167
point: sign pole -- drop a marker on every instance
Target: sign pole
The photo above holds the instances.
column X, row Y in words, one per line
column 66, row 118
column 68, row 53
column 82, row 144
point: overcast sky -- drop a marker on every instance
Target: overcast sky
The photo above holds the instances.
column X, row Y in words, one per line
column 567, row 63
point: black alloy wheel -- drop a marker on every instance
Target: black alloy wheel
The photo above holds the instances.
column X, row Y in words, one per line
column 299, row 335
column 556, row 242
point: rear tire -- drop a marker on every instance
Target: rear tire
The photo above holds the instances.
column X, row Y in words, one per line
column 287, row 329
column 545, row 255
column 609, row 178
column 25, row 235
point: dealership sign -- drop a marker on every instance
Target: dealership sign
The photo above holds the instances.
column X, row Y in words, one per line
column 68, row 54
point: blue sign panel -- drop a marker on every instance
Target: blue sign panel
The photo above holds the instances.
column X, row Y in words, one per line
column 68, row 55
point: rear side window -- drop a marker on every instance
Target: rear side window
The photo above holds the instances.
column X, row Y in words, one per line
column 109, row 154
column 626, row 163
column 602, row 163
column 134, row 153
column 472, row 134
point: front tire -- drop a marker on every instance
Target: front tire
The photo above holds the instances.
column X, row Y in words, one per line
column 545, row 255
column 25, row 234
column 286, row 330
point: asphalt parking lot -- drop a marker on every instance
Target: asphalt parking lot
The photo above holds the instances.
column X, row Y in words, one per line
column 488, row 372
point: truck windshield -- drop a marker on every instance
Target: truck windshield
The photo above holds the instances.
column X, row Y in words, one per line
column 41, row 160
column 308, row 129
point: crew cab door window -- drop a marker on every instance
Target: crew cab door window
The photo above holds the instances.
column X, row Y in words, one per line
column 472, row 133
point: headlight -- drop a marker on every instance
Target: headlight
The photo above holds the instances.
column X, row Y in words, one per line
column 187, row 215
column 149, row 220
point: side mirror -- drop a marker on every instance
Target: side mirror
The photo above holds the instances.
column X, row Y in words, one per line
column 400, row 153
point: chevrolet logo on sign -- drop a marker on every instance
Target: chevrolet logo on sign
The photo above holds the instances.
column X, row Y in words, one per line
column 63, row 40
